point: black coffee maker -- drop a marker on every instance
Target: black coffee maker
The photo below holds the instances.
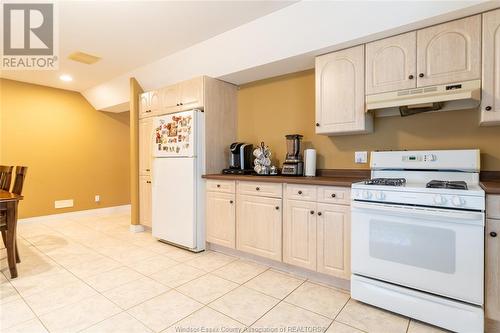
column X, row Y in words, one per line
column 240, row 159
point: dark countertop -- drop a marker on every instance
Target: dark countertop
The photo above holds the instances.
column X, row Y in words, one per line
column 330, row 180
column 490, row 180
column 491, row 186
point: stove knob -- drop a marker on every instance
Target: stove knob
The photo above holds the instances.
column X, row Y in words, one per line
column 367, row 195
column 380, row 196
column 439, row 199
column 457, row 201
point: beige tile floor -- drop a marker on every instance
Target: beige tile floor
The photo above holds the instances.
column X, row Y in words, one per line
column 90, row 274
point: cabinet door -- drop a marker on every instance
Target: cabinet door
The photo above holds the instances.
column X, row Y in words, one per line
column 144, row 105
column 145, row 200
column 170, row 99
column 334, row 240
column 220, row 215
column 299, row 234
column 154, row 101
column 258, row 226
column 449, row 52
column 191, row 93
column 391, row 64
column 340, row 93
column 492, row 270
column 490, row 103
column 145, row 140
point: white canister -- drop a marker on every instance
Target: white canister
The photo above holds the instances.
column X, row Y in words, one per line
column 310, row 162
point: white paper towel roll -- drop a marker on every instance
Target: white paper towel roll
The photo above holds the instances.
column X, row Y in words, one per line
column 310, row 162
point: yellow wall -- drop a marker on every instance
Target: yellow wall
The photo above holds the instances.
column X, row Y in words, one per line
column 72, row 151
column 269, row 109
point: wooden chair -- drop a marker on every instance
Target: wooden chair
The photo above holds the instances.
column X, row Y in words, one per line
column 5, row 177
column 17, row 189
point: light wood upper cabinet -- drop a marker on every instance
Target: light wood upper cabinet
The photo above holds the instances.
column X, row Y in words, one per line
column 299, row 234
column 220, row 218
column 149, row 103
column 145, row 141
column 182, row 96
column 191, row 93
column 449, row 52
column 492, row 271
column 490, row 102
column 145, row 197
column 334, row 235
column 170, row 97
column 391, row 64
column 340, row 93
column 258, row 226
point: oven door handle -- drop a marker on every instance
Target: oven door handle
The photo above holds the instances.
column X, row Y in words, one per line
column 458, row 216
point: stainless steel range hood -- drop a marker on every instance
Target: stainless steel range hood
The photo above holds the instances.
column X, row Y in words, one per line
column 454, row 96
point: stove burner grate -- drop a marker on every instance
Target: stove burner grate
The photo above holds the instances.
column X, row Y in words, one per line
column 386, row 181
column 455, row 185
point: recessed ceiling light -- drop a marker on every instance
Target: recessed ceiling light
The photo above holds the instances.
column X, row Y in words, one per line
column 66, row 78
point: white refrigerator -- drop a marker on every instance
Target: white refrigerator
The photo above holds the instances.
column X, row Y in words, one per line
column 178, row 194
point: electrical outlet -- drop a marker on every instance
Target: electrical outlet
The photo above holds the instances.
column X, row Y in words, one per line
column 63, row 203
column 97, row 198
column 360, row 157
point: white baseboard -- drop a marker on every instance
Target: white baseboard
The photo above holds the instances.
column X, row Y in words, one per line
column 136, row 228
column 79, row 213
column 302, row 272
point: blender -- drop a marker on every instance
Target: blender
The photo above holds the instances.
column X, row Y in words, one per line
column 294, row 164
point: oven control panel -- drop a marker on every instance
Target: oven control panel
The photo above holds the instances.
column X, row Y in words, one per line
column 419, row 158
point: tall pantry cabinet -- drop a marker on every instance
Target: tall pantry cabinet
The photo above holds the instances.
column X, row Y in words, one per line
column 218, row 101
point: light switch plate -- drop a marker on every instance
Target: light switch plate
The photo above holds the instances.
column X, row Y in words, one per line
column 97, row 198
column 360, row 157
column 63, row 203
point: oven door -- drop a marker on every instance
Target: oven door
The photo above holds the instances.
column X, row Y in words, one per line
column 440, row 251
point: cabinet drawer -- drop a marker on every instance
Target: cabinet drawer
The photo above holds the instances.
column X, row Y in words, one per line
column 337, row 195
column 493, row 206
column 261, row 189
column 301, row 192
column 226, row 186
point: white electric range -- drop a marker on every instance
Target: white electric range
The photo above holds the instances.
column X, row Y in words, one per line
column 418, row 237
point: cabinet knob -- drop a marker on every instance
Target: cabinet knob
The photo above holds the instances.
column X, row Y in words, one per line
column 148, row 181
column 230, row 201
column 218, row 185
column 421, row 75
column 299, row 192
column 181, row 104
column 148, row 170
column 493, row 234
column 319, row 214
column 257, row 188
column 148, row 110
column 317, row 124
column 312, row 212
column 177, row 104
column 277, row 207
column 333, row 195
column 488, row 108
column 410, row 77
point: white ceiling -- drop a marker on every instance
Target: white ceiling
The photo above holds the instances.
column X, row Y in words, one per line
column 131, row 34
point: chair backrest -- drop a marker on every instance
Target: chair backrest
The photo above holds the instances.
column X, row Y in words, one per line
column 19, row 181
column 5, row 177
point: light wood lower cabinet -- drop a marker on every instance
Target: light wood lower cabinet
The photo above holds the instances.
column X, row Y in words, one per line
column 258, row 226
column 145, row 197
column 492, row 273
column 220, row 218
column 299, row 234
column 334, row 240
